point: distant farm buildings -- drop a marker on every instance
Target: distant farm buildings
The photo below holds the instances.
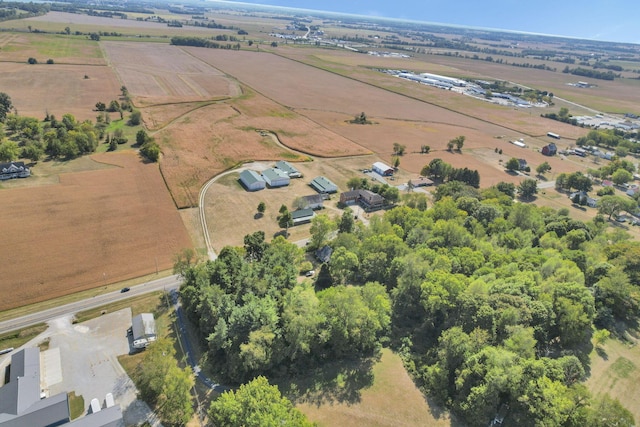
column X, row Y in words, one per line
column 323, row 185
column 275, row 177
column 252, row 180
column 550, row 149
column 13, row 170
column 289, row 169
column 382, row 169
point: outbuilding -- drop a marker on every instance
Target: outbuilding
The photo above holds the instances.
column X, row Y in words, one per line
column 313, row 201
column 287, row 167
column 550, row 149
column 323, row 185
column 421, row 181
column 143, row 327
column 382, row 169
column 252, row 180
column 275, row 177
column 302, row 216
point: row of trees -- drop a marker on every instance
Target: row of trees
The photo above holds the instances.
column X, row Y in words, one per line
column 202, row 42
column 489, row 302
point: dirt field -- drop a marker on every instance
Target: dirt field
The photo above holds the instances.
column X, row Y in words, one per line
column 156, row 73
column 392, row 400
column 95, row 227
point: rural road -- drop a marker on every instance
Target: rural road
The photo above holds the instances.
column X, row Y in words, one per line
column 164, row 284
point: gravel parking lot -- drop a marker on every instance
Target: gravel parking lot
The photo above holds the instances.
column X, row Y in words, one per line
column 88, row 363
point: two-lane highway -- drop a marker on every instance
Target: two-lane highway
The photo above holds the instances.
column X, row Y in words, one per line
column 164, row 284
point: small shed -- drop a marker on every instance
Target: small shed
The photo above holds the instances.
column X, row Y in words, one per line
column 302, row 216
column 275, row 177
column 252, row 180
column 382, row 169
column 287, row 167
column 144, row 330
column 323, row 185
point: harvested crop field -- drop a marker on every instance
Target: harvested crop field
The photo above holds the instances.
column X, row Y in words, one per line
column 58, row 89
column 62, row 49
column 159, row 73
column 95, row 227
column 216, row 137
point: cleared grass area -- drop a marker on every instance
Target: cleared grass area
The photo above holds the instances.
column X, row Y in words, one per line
column 76, row 405
column 18, row 338
column 614, row 370
column 364, row 393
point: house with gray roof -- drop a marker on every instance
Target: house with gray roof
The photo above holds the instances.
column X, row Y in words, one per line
column 143, row 327
column 323, row 185
column 13, row 170
column 302, row 216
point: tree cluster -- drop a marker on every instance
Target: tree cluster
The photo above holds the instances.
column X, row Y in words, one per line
column 439, row 170
column 163, row 384
column 594, row 74
column 489, row 302
column 256, row 319
column 201, row 42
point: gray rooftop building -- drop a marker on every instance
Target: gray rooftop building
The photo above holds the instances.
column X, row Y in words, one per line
column 143, row 327
column 287, row 167
column 21, row 404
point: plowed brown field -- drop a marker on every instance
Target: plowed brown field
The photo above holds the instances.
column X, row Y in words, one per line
column 95, row 227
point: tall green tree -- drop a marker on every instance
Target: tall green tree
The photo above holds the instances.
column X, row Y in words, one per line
column 5, row 106
column 255, row 404
column 321, row 228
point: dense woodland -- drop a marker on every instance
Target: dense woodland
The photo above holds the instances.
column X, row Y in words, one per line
column 491, row 303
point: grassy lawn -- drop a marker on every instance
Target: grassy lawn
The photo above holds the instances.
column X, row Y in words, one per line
column 148, row 303
column 370, row 393
column 18, row 338
column 76, row 405
column 614, row 370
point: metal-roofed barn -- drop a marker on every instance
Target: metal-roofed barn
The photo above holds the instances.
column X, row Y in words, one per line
column 382, row 169
column 252, row 180
column 144, row 330
column 287, row 167
column 323, row 185
column 275, row 177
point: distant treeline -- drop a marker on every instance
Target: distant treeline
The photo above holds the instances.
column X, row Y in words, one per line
column 17, row 10
column 200, row 42
column 594, row 74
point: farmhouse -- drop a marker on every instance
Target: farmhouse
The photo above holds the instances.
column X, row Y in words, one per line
column 382, row 169
column 421, row 181
column 324, row 253
column 143, row 327
column 252, row 180
column 313, row 201
column 550, row 149
column 13, row 170
column 365, row 198
column 584, row 198
column 323, row 185
column 290, row 170
column 22, row 405
column 275, row 177
column 302, row 216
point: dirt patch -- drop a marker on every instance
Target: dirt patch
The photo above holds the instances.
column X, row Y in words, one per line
column 95, row 227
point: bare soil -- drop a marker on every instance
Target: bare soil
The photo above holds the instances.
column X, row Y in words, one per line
column 93, row 228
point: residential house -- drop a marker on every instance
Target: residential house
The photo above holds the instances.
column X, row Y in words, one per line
column 287, row 167
column 365, row 198
column 323, row 185
column 275, row 177
column 13, row 170
column 421, row 181
column 324, row 253
column 584, row 198
column 252, row 180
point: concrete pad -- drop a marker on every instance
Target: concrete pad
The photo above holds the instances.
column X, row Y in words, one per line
column 50, row 368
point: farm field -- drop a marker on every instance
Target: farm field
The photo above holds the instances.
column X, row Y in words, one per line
column 391, row 399
column 95, row 227
column 63, row 49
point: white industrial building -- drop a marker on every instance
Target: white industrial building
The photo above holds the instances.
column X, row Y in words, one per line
column 252, row 180
column 275, row 177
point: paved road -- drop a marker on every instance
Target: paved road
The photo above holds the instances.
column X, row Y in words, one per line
column 166, row 283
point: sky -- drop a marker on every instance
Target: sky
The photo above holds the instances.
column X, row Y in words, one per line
column 605, row 20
